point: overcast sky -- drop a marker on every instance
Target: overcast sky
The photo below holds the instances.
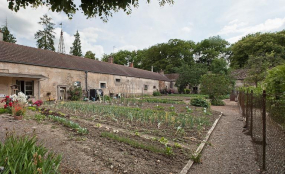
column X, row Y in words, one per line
column 150, row 24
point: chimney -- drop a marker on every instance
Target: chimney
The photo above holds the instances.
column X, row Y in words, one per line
column 161, row 72
column 110, row 59
column 1, row 35
column 131, row 64
column 151, row 68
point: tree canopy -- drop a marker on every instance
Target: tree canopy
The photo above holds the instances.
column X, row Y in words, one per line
column 257, row 45
column 76, row 45
column 212, row 48
column 45, row 37
column 7, row 36
column 99, row 8
column 215, row 85
column 90, row 55
column 190, row 75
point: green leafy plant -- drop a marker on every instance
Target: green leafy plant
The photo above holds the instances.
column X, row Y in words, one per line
column 177, row 145
column 200, row 102
column 156, row 93
column 22, row 155
column 217, row 102
column 168, row 151
column 32, row 108
column 137, row 144
column 39, row 117
column 196, row 158
column 69, row 123
column 163, row 140
column 75, row 93
column 2, row 111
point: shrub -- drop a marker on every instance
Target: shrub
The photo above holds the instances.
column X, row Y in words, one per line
column 200, row 102
column 75, row 93
column 156, row 93
column 2, row 110
column 106, row 98
column 187, row 91
column 217, row 102
column 22, row 155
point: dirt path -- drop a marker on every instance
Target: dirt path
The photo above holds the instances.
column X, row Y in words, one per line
column 229, row 149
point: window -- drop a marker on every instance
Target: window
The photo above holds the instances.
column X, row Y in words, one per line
column 145, row 87
column 118, row 80
column 154, row 87
column 26, row 87
column 102, row 85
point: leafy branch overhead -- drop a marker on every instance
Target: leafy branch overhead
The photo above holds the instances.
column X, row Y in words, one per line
column 101, row 8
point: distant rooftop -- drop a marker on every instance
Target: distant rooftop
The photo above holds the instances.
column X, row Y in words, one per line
column 13, row 53
column 239, row 74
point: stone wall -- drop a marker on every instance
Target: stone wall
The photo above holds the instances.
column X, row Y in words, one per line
column 63, row 77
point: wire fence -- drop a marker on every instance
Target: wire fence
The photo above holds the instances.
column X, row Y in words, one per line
column 264, row 116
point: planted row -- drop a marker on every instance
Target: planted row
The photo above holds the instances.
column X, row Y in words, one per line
column 145, row 116
column 69, row 123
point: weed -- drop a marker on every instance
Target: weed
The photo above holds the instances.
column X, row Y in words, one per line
column 196, row 158
column 137, row 134
column 168, row 151
column 163, row 140
column 177, row 145
column 39, row 117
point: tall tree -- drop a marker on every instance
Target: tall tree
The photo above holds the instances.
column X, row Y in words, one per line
column 258, row 65
column 102, row 8
column 45, row 37
column 7, row 36
column 76, row 45
column 257, row 45
column 209, row 49
column 190, row 75
column 90, row 55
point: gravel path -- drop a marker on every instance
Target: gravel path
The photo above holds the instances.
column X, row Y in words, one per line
column 229, row 149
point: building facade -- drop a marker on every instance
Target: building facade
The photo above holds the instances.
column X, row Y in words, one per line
column 43, row 74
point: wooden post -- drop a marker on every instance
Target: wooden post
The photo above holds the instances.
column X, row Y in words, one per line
column 251, row 112
column 246, row 109
column 264, row 130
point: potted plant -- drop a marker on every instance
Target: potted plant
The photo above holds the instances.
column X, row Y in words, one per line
column 18, row 111
column 18, row 107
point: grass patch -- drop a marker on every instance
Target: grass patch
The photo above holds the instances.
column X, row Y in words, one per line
column 3, row 111
column 137, row 144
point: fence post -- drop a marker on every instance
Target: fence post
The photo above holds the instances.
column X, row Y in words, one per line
column 264, row 129
column 246, row 110
column 251, row 112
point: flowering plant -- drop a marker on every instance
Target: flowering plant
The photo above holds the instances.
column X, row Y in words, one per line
column 38, row 103
column 8, row 104
column 18, row 105
column 20, row 98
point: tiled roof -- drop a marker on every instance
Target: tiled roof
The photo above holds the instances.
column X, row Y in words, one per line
column 239, row 74
column 173, row 76
column 19, row 54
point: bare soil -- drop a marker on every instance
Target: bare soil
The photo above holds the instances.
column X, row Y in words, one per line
column 93, row 153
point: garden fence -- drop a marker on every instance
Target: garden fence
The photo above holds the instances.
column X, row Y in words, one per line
column 265, row 122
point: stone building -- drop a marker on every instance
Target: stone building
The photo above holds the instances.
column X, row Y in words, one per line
column 44, row 74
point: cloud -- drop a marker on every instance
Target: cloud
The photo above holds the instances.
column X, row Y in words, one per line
column 241, row 27
column 126, row 47
column 186, row 29
column 237, row 29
